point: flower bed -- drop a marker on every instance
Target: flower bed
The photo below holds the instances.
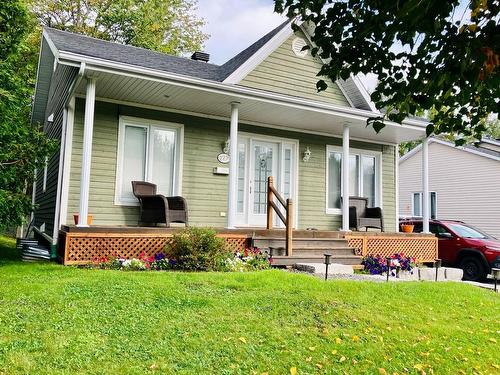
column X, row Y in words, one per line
column 251, row 259
column 377, row 265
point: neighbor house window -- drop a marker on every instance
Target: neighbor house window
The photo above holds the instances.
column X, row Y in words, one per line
column 364, row 177
column 147, row 151
column 417, row 204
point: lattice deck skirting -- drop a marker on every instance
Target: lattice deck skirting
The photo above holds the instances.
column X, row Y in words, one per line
column 422, row 248
column 84, row 248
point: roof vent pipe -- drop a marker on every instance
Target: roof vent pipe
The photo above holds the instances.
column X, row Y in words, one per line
column 200, row 56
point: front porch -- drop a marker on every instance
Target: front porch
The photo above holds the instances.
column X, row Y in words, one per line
column 82, row 245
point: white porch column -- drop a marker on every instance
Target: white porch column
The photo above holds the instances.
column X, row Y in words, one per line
column 233, row 167
column 345, row 179
column 88, row 127
column 425, row 185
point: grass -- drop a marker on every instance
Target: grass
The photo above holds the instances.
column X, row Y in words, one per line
column 56, row 319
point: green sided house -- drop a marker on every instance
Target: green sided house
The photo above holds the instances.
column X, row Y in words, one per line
column 211, row 134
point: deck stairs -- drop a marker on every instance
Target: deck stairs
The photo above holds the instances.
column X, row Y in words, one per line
column 308, row 247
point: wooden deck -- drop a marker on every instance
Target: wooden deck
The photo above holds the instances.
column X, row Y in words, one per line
column 84, row 245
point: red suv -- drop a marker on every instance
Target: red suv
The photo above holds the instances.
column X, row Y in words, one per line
column 461, row 245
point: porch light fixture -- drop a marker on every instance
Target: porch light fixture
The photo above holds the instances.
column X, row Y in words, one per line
column 225, row 146
column 306, row 155
column 437, row 265
column 327, row 263
column 495, row 272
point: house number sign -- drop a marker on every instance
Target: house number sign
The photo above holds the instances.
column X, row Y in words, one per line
column 223, row 158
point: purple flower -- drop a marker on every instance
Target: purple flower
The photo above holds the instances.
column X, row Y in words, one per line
column 159, row 256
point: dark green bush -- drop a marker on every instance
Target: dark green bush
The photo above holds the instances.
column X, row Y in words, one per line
column 198, row 249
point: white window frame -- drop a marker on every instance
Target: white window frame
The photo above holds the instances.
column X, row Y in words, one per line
column 45, row 171
column 378, row 175
column 149, row 125
column 421, row 203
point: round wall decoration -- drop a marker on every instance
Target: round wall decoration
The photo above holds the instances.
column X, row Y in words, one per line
column 223, row 158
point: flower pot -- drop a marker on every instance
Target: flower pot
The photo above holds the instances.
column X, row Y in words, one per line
column 407, row 228
column 90, row 218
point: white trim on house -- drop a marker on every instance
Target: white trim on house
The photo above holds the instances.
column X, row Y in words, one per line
column 258, row 57
column 63, row 145
column 45, row 170
column 412, row 152
column 88, row 130
column 223, row 118
column 51, row 44
column 33, row 195
column 68, row 147
column 491, row 141
column 237, row 92
column 396, row 178
column 378, row 175
column 37, row 74
column 149, row 125
column 364, row 93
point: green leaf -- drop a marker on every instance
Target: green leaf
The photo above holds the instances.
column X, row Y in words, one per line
column 429, row 129
column 378, row 126
column 321, row 85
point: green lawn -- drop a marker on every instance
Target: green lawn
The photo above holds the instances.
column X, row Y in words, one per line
column 56, row 319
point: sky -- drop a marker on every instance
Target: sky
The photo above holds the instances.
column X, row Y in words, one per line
column 233, row 25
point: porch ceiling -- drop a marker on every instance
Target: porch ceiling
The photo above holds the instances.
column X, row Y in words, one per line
column 270, row 110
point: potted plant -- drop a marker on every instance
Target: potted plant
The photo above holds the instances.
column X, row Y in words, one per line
column 407, row 226
column 90, row 219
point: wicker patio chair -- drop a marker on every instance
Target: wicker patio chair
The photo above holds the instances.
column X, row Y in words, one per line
column 156, row 208
column 362, row 216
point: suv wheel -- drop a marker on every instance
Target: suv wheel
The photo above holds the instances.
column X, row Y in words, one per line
column 473, row 269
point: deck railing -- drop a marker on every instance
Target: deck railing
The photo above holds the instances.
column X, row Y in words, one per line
column 286, row 218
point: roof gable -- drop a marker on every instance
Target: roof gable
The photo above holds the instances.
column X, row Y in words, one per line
column 287, row 72
column 479, row 151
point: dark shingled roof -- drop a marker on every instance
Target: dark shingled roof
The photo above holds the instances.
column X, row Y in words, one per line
column 230, row 66
column 87, row 46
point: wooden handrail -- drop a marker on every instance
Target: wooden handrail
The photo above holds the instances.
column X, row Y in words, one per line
column 287, row 219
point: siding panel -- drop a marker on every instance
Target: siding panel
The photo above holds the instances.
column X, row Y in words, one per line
column 285, row 73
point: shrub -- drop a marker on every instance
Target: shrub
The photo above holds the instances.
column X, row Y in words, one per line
column 198, row 249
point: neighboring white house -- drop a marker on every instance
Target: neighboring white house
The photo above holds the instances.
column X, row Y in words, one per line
column 464, row 183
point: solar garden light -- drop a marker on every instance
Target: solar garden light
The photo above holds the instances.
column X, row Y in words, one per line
column 388, row 263
column 437, row 265
column 327, row 262
column 398, row 268
column 495, row 272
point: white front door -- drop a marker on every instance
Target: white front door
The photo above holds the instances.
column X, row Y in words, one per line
column 263, row 163
column 259, row 158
